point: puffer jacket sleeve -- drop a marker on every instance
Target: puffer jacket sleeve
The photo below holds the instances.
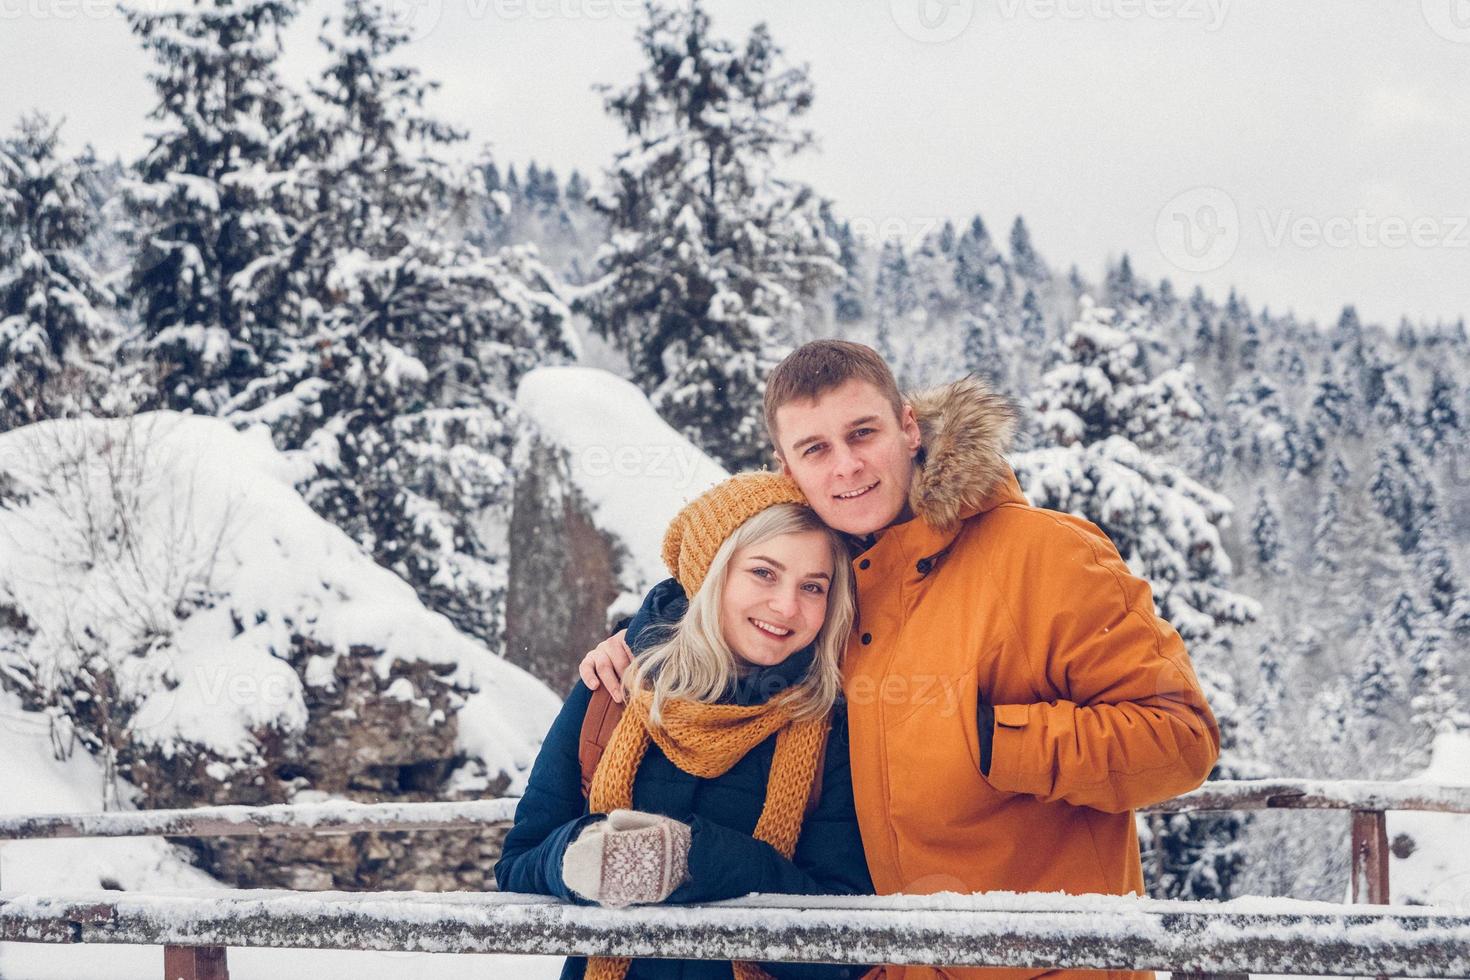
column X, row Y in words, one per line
column 1132, row 727
column 552, row 812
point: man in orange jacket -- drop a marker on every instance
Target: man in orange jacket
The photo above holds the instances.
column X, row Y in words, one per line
column 1012, row 695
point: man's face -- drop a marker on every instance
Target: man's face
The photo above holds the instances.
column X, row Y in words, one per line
column 849, row 454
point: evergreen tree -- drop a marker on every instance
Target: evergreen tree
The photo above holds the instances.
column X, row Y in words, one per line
column 981, row 349
column 207, row 198
column 576, row 190
column 1032, row 325
column 1333, row 410
column 979, row 270
column 1326, row 536
column 847, row 299
column 895, row 299
column 1439, row 425
column 712, row 254
column 1024, row 258
column 401, row 390
column 1266, row 534
column 55, row 328
column 1377, row 689
column 1402, row 494
column 934, row 271
column 1201, row 315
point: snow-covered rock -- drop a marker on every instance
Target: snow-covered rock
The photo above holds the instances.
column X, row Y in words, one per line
column 598, row 480
column 169, row 603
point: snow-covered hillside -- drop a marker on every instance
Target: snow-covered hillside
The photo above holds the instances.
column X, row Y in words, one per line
column 172, row 550
column 171, row 553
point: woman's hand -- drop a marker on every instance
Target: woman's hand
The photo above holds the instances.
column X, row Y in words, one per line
column 630, row 858
column 606, row 665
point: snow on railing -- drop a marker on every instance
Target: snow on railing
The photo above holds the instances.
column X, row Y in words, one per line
column 335, row 817
column 1279, row 936
column 1319, row 794
column 341, row 816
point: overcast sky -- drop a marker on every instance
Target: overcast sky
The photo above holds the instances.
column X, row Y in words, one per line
column 1311, row 153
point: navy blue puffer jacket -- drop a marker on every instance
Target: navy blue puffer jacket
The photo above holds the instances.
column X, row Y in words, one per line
column 725, row 861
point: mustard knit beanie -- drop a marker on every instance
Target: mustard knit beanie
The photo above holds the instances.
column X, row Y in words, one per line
column 703, row 525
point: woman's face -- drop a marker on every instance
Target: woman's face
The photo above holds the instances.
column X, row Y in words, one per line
column 775, row 596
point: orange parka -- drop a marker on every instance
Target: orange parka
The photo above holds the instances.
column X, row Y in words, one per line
column 1097, row 708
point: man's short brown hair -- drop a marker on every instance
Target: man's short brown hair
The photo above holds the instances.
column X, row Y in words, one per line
column 815, row 368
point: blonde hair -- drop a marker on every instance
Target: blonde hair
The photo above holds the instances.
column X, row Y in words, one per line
column 694, row 662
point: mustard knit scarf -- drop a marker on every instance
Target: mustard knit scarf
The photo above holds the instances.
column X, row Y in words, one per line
column 705, row 740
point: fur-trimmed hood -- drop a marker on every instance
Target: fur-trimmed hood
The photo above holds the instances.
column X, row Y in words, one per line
column 965, row 430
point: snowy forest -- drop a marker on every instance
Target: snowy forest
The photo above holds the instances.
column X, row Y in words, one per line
column 315, row 274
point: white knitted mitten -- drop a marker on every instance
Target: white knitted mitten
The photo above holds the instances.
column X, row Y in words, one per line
column 630, row 858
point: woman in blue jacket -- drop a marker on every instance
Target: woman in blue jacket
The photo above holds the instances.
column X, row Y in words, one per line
column 704, row 789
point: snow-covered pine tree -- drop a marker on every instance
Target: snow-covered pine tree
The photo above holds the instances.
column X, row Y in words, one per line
column 412, row 342
column 979, row 269
column 981, row 349
column 1109, row 418
column 933, row 269
column 1439, row 423
column 1402, row 493
column 895, row 301
column 206, row 200
column 1121, row 289
column 55, row 322
column 1326, row 535
column 847, row 298
column 1025, row 260
column 1266, row 534
column 712, row 255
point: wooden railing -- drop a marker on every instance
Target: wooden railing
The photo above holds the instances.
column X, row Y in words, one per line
column 1034, row 931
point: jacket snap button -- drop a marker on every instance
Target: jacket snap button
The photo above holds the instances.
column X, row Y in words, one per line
column 864, row 563
column 924, row 566
column 867, row 638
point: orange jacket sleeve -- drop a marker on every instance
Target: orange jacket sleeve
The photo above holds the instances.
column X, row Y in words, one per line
column 1131, row 727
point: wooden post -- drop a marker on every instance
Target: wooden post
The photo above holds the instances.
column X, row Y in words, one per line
column 195, row 963
column 1370, row 857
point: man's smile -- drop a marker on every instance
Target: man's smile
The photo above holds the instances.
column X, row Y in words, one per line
column 854, row 494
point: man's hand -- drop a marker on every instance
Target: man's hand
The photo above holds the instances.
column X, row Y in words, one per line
column 607, row 664
column 631, row 858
